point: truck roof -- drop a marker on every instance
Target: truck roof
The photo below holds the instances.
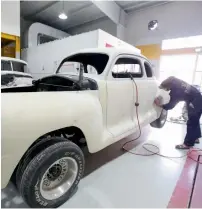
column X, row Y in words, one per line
column 111, row 51
column 13, row 59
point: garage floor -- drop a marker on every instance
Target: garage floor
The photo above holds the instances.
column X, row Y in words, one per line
column 117, row 179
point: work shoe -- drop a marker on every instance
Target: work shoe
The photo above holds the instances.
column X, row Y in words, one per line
column 197, row 141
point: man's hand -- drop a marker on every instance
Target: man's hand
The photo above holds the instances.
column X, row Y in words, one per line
column 158, row 101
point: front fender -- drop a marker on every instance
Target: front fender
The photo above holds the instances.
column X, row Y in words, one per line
column 27, row 116
column 165, row 98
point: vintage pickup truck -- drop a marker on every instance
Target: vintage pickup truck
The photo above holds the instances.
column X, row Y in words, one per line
column 92, row 101
column 14, row 72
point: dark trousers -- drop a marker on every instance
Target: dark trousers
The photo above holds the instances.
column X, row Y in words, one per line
column 193, row 127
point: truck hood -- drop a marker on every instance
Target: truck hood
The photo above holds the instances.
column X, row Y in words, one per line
column 4, row 72
column 86, row 75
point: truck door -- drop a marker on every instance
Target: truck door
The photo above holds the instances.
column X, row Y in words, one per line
column 148, row 91
column 120, row 95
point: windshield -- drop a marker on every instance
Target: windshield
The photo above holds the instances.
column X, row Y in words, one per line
column 17, row 66
column 92, row 63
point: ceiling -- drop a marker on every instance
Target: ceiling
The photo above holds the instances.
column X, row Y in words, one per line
column 79, row 12
column 129, row 6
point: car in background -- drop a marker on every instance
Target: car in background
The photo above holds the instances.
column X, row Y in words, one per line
column 14, row 73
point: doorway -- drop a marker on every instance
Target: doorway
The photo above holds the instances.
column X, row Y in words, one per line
column 182, row 58
column 197, row 76
column 180, row 65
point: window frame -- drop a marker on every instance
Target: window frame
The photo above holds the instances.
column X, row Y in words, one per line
column 68, row 59
column 127, row 56
column 149, row 64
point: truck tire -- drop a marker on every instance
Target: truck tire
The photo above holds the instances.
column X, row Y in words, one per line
column 160, row 122
column 51, row 177
column 31, row 153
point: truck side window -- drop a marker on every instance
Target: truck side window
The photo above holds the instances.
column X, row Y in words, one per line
column 123, row 66
column 18, row 66
column 148, row 69
column 6, row 65
column 91, row 69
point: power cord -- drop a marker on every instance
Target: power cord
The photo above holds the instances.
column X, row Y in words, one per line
column 148, row 144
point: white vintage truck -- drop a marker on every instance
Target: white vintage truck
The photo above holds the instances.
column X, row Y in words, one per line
column 14, row 72
column 91, row 100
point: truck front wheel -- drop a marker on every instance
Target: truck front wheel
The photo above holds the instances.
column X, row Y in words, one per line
column 52, row 175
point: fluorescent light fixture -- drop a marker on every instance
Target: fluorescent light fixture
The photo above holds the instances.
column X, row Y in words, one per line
column 62, row 16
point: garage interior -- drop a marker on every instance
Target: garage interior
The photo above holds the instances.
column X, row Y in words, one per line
column 169, row 34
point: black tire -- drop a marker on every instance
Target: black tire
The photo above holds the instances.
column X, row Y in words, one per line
column 31, row 153
column 32, row 175
column 160, row 122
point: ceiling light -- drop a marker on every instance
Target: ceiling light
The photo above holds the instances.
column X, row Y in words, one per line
column 62, row 16
column 152, row 25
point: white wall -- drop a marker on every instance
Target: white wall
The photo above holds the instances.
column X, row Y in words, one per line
column 106, row 38
column 10, row 17
column 176, row 19
column 44, row 59
column 37, row 28
column 29, row 30
column 105, row 24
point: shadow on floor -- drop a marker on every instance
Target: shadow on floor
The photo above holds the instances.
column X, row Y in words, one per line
column 10, row 197
column 96, row 160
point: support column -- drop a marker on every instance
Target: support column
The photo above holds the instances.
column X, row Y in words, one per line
column 17, row 47
column 120, row 32
column 115, row 13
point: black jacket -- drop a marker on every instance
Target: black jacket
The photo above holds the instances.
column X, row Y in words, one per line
column 182, row 91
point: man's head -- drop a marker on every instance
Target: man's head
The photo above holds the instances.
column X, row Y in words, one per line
column 167, row 84
column 164, row 88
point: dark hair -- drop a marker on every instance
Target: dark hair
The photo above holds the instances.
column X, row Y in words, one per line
column 167, row 84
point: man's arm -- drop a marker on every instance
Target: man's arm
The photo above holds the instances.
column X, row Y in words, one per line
column 171, row 104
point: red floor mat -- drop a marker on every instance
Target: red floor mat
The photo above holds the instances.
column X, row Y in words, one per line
column 196, row 200
column 188, row 190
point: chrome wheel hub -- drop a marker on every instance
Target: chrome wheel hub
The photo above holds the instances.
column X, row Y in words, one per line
column 58, row 178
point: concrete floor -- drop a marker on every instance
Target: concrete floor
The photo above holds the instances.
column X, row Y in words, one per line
column 117, row 179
